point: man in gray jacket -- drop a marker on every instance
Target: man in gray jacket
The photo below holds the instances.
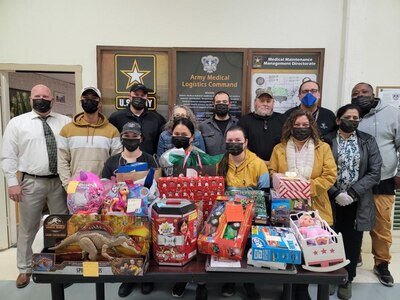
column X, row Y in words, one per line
column 383, row 122
column 214, row 128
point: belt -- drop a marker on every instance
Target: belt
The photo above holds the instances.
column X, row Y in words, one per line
column 41, row 176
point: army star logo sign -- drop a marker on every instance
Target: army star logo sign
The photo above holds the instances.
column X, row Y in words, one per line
column 135, row 75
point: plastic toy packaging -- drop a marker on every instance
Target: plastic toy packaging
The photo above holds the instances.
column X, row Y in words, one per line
column 226, row 230
column 85, row 194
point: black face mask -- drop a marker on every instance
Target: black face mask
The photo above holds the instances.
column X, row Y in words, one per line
column 138, row 103
column 181, row 141
column 234, row 148
column 41, row 105
column 90, row 106
column 364, row 102
column 348, row 126
column 221, row 110
column 130, row 144
column 301, row 133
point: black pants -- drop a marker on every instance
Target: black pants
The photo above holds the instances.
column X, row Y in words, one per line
column 345, row 223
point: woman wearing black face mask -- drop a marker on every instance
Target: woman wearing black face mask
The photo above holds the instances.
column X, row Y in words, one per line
column 359, row 164
column 131, row 138
column 184, row 152
column 244, row 170
column 302, row 151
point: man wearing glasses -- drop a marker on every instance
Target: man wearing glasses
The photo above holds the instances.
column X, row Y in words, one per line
column 88, row 141
column 310, row 97
column 263, row 127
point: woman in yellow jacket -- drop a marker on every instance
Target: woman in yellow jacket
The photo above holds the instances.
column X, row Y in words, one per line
column 302, row 151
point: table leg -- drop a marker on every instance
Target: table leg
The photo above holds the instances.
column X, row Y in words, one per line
column 287, row 291
column 57, row 291
column 323, row 292
column 100, row 291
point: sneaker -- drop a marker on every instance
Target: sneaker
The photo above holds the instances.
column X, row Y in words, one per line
column 228, row 289
column 332, row 289
column 147, row 287
column 344, row 291
column 201, row 292
column 179, row 289
column 251, row 291
column 359, row 261
column 383, row 273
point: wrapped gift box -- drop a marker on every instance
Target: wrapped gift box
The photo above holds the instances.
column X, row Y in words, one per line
column 291, row 187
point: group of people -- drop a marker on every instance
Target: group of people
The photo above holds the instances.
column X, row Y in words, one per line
column 350, row 159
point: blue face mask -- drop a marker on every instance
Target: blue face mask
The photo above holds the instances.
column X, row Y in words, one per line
column 308, row 100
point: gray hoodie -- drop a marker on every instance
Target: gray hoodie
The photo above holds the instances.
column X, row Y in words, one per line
column 383, row 122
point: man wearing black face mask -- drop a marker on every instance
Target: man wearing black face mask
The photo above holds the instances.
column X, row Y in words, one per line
column 30, row 147
column 383, row 122
column 151, row 122
column 214, row 128
column 131, row 137
column 88, row 141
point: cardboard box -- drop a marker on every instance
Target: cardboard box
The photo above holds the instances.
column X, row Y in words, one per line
column 276, row 244
column 66, row 232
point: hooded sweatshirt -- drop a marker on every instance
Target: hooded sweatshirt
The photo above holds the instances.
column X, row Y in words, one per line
column 383, row 123
column 85, row 147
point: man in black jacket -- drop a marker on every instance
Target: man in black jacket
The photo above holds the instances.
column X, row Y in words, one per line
column 310, row 97
column 150, row 122
column 263, row 127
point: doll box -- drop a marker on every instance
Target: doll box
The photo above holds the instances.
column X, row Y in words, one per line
column 118, row 241
column 292, row 188
column 174, row 231
column 275, row 244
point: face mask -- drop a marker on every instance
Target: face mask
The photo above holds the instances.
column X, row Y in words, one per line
column 41, row 105
column 138, row 103
column 308, row 100
column 221, row 109
column 90, row 106
column 348, row 126
column 180, row 141
column 364, row 102
column 234, row 148
column 130, row 144
column 301, row 133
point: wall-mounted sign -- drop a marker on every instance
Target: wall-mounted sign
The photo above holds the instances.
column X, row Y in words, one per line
column 283, row 73
column 199, row 74
column 389, row 95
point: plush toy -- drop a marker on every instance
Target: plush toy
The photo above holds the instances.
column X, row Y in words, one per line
column 310, row 228
column 85, row 194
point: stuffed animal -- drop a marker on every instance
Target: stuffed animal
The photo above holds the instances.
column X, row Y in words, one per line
column 309, row 228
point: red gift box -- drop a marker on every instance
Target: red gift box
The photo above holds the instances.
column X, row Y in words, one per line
column 292, row 188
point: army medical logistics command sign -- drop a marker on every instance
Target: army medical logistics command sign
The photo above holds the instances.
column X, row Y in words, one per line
column 199, row 74
column 131, row 69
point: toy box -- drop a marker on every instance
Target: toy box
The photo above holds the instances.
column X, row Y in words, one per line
column 116, row 245
column 296, row 205
column 291, row 187
column 226, row 230
column 276, row 244
column 320, row 257
column 260, row 215
column 175, row 230
column 205, row 189
column 280, row 212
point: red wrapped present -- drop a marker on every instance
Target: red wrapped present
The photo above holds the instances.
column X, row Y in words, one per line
column 291, row 187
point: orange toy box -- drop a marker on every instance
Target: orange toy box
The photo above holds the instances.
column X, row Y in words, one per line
column 174, row 231
column 226, row 230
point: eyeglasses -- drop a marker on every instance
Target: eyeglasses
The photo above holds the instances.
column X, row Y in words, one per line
column 265, row 125
column 312, row 91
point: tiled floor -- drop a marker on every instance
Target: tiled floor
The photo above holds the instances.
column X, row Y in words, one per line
column 365, row 287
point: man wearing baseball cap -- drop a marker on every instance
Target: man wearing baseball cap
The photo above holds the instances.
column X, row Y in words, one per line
column 88, row 141
column 150, row 121
column 263, row 126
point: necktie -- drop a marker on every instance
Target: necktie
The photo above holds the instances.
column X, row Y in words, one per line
column 51, row 146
